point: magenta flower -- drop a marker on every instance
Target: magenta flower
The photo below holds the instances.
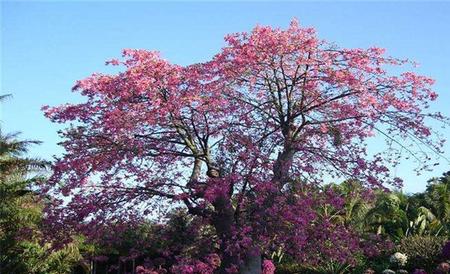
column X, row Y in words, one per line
column 268, row 267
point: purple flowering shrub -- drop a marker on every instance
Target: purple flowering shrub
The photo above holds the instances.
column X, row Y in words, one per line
column 446, row 251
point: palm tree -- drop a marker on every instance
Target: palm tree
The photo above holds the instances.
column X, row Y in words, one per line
column 356, row 204
column 20, row 207
column 388, row 216
column 437, row 198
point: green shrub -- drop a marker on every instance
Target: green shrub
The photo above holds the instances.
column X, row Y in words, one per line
column 329, row 268
column 422, row 251
column 378, row 264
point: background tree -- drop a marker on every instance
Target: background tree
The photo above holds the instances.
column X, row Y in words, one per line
column 358, row 200
column 19, row 208
column 21, row 213
column 437, row 198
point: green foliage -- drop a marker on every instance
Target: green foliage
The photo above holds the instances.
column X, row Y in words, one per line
column 328, row 268
column 388, row 216
column 38, row 259
column 422, row 251
column 356, row 205
column 19, row 209
column 21, row 214
column 397, row 215
column 378, row 264
column 437, row 198
column 425, row 223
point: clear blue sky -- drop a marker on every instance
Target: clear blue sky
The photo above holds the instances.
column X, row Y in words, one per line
column 47, row 46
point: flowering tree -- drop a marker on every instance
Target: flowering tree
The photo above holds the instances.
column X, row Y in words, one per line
column 238, row 140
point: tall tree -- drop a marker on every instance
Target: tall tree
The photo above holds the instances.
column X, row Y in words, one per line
column 19, row 209
column 21, row 213
column 226, row 138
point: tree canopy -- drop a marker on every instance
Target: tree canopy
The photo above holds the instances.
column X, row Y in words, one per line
column 240, row 141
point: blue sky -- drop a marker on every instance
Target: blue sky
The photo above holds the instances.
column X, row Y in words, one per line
column 47, row 46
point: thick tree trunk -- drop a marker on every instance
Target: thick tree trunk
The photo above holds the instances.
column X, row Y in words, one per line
column 252, row 263
column 223, row 221
column 282, row 165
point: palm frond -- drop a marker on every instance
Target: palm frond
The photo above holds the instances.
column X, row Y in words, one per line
column 5, row 96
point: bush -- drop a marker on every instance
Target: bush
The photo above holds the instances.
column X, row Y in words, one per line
column 422, row 251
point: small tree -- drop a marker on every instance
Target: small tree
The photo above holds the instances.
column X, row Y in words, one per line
column 238, row 140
